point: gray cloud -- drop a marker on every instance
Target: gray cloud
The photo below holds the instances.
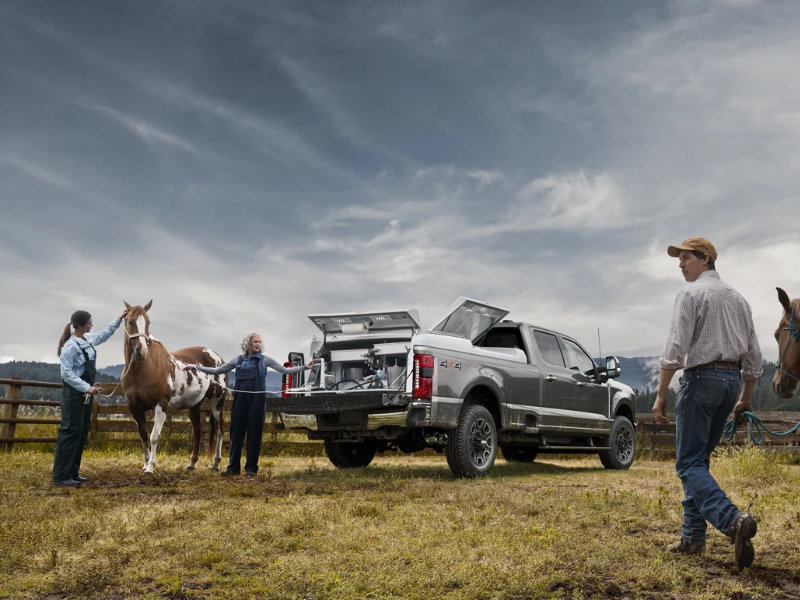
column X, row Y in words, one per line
column 245, row 164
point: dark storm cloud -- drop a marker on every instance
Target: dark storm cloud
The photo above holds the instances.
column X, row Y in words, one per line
column 247, row 163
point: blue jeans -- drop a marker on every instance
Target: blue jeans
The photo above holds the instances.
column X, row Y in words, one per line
column 705, row 399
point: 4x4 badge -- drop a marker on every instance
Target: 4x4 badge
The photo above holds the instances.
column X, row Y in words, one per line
column 449, row 364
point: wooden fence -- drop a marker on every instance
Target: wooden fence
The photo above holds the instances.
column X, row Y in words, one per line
column 106, row 418
column 654, row 438
column 659, row 438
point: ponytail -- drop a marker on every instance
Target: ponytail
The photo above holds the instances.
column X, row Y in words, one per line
column 63, row 340
column 78, row 319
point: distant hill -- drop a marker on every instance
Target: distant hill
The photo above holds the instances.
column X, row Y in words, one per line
column 640, row 372
column 112, row 371
column 40, row 371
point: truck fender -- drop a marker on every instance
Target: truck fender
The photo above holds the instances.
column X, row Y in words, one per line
column 486, row 386
column 623, row 404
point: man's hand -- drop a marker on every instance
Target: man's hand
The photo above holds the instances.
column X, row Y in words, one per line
column 660, row 408
column 742, row 406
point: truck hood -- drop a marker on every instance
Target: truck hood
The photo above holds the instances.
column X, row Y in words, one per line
column 469, row 318
column 370, row 322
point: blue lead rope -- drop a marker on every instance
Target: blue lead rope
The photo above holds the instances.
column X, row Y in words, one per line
column 756, row 429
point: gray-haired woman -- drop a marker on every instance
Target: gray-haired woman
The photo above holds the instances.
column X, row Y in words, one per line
column 249, row 401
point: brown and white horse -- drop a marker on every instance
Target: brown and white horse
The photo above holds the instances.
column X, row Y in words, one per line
column 155, row 379
column 787, row 369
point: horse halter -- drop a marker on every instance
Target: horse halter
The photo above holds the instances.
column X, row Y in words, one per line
column 794, row 334
column 136, row 335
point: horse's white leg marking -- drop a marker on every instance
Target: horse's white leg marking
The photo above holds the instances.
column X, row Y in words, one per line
column 159, row 417
column 146, row 454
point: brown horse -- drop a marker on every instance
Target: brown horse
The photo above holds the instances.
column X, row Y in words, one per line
column 787, row 369
column 157, row 380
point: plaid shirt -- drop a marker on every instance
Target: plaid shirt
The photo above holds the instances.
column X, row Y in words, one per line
column 711, row 322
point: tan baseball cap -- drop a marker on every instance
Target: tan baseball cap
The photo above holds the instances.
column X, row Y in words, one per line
column 694, row 243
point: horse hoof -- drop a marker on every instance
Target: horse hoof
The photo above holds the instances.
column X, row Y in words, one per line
column 190, row 468
column 213, row 468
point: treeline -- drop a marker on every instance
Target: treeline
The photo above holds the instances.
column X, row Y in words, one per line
column 764, row 398
column 39, row 371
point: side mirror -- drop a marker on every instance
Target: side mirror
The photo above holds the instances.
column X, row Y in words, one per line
column 613, row 369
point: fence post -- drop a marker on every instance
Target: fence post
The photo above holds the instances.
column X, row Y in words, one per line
column 275, row 420
column 10, row 412
column 93, row 422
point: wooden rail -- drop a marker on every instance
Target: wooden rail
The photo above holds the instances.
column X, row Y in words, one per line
column 659, row 438
column 106, row 418
column 655, row 438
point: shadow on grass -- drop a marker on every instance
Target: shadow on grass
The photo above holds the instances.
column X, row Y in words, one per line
column 317, row 476
column 380, row 470
column 784, row 582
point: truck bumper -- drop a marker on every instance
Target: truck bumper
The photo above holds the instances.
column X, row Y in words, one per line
column 331, row 402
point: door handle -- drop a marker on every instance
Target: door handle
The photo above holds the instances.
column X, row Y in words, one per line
column 581, row 384
column 550, row 378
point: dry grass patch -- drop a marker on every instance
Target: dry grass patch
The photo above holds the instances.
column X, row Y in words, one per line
column 402, row 528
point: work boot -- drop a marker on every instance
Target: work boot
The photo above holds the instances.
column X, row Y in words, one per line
column 67, row 483
column 684, row 547
column 744, row 528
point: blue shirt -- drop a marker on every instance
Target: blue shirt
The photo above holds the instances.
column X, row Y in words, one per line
column 73, row 362
column 266, row 361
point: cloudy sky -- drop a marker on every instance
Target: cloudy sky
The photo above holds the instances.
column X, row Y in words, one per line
column 247, row 163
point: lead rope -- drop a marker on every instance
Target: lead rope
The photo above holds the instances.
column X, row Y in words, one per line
column 87, row 397
column 756, row 429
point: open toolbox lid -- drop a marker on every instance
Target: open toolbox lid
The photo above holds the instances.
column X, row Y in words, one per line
column 469, row 318
column 363, row 323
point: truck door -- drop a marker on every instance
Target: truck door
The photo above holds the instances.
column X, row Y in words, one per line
column 558, row 385
column 591, row 397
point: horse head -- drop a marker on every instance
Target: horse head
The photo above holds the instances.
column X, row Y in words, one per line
column 787, row 369
column 137, row 331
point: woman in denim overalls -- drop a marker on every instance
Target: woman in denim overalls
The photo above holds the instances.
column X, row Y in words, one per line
column 77, row 355
column 249, row 401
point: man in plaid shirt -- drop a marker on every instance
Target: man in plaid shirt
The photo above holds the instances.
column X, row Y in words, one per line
column 713, row 340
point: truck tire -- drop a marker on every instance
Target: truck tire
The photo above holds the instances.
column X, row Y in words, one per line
column 472, row 446
column 350, row 455
column 525, row 454
column 623, row 445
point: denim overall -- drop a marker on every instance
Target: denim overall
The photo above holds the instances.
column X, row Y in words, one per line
column 76, row 417
column 248, row 413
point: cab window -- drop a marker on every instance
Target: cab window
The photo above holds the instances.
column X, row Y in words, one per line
column 548, row 346
column 576, row 358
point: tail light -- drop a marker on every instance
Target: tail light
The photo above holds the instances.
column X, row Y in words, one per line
column 423, row 376
column 286, row 383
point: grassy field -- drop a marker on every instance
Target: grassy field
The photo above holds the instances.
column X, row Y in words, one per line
column 402, row 528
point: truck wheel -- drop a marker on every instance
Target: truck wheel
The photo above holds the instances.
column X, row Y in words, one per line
column 472, row 447
column 350, row 455
column 524, row 454
column 623, row 445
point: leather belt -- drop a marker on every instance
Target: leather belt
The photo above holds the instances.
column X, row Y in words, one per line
column 722, row 365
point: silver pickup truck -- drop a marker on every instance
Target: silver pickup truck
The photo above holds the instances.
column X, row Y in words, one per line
column 468, row 386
